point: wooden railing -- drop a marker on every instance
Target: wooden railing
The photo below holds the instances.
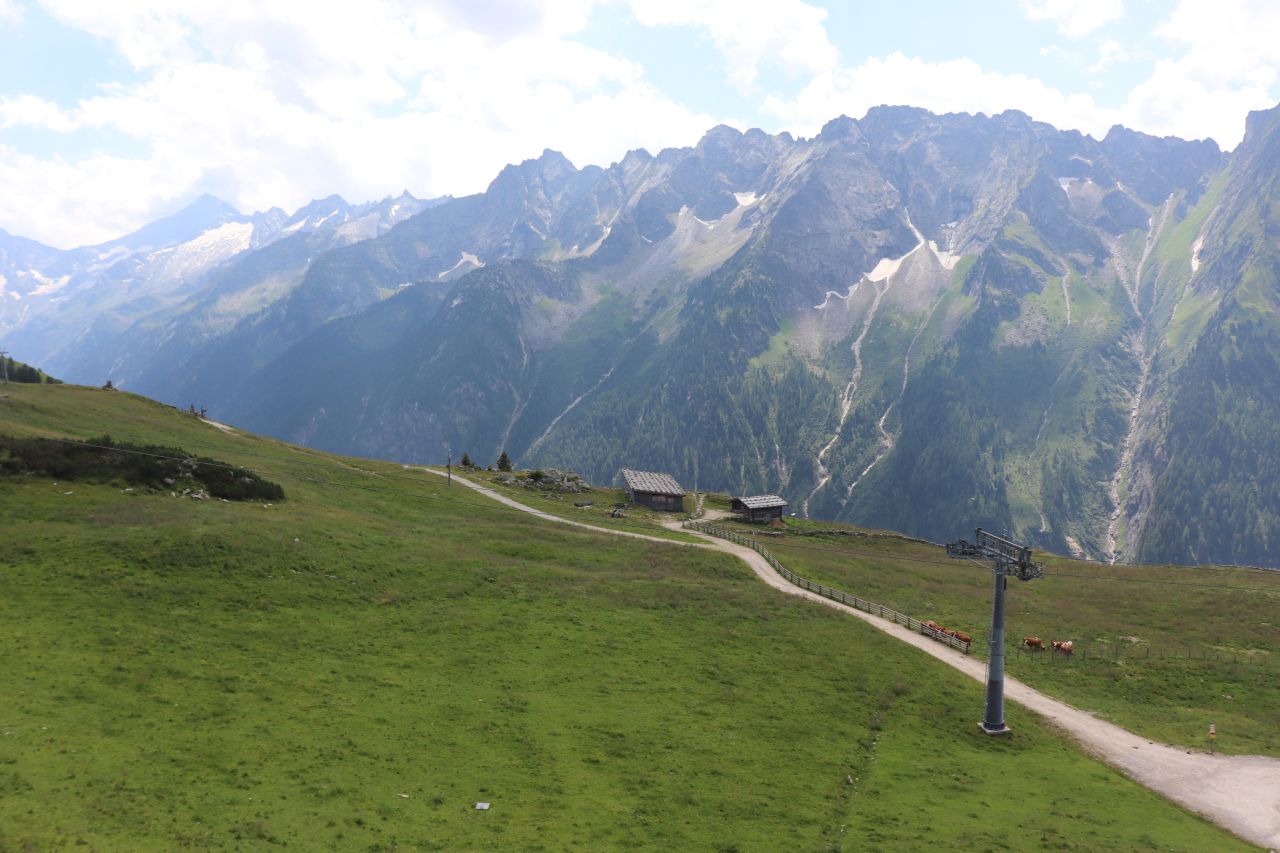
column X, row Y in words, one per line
column 826, row 591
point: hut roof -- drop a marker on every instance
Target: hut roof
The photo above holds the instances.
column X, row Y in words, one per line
column 649, row 481
column 761, row 501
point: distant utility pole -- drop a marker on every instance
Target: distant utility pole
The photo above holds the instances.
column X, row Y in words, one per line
column 448, row 467
column 1007, row 558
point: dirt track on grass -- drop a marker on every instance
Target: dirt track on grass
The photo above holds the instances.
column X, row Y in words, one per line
column 1238, row 792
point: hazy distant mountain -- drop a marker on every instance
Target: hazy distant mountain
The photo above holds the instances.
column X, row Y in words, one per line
column 204, row 214
column 913, row 321
column 78, row 309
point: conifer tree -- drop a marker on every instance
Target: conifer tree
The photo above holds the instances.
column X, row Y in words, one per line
column 466, row 461
column 504, row 462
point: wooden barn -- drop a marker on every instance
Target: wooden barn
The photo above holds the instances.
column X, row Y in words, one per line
column 656, row 491
column 759, row 509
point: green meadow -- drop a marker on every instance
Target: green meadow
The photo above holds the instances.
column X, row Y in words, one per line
column 1162, row 651
column 356, row 666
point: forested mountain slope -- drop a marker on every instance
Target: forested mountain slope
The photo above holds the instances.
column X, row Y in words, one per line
column 916, row 321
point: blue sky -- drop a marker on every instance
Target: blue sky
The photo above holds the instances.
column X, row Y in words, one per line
column 112, row 114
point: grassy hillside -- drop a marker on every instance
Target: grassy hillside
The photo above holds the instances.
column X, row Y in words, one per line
column 16, row 371
column 1162, row 651
column 356, row 666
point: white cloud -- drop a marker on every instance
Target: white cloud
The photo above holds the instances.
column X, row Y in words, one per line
column 957, row 86
column 790, row 33
column 1110, row 52
column 272, row 103
column 1222, row 62
column 1057, row 51
column 1228, row 67
column 34, row 111
column 114, row 195
column 1074, row 17
column 10, row 11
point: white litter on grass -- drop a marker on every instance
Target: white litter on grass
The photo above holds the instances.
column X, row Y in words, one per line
column 406, row 796
column 484, row 807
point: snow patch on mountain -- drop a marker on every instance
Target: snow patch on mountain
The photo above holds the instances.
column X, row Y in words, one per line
column 466, row 263
column 947, row 259
column 845, row 296
column 204, row 252
column 47, row 285
column 111, row 255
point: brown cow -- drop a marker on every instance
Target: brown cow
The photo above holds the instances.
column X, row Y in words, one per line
column 1034, row 643
column 1063, row 647
column 963, row 637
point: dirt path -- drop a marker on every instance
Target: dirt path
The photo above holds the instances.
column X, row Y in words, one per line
column 546, row 516
column 1238, row 792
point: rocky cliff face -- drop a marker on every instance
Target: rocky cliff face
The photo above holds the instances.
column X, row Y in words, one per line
column 912, row 321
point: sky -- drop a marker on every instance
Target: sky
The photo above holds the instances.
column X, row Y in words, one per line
column 115, row 113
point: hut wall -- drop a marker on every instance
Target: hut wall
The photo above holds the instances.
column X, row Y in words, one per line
column 661, row 503
column 764, row 515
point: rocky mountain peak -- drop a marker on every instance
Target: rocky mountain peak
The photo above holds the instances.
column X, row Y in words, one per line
column 195, row 218
column 840, row 128
column 543, row 174
column 1261, row 122
column 1153, row 167
column 719, row 136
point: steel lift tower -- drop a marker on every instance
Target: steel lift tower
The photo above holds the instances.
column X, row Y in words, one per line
column 1007, row 558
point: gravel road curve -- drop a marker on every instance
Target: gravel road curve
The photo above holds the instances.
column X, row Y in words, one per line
column 1238, row 792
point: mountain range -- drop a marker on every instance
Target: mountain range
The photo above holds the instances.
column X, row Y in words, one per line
column 914, row 321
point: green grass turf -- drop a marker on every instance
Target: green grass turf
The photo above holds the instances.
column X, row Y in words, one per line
column 354, row 668
column 1163, row 659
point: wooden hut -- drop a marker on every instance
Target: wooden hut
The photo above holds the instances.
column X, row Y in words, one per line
column 656, row 491
column 759, row 509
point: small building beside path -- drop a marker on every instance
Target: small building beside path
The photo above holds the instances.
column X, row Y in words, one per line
column 759, row 509
column 654, row 490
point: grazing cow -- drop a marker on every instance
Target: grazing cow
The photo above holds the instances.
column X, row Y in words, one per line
column 962, row 637
column 1063, row 647
column 932, row 626
column 1034, row 643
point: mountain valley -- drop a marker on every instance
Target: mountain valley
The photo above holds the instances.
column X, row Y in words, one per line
column 912, row 321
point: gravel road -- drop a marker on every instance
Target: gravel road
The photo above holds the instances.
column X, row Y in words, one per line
column 1238, row 792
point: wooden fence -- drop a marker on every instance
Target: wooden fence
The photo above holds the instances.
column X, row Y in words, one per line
column 826, row 591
